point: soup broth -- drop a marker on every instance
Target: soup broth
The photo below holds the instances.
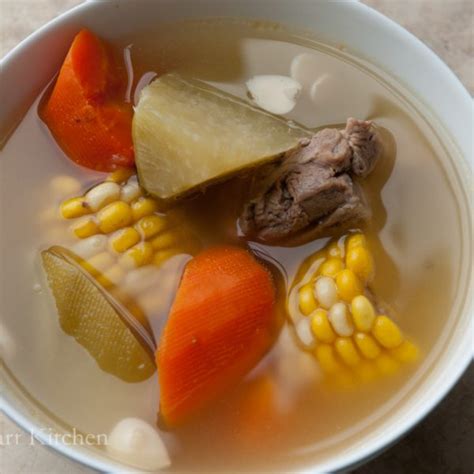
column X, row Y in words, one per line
column 415, row 236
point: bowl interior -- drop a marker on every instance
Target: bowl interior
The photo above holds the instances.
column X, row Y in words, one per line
column 363, row 31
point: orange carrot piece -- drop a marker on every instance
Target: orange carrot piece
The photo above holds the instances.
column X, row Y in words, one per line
column 221, row 324
column 85, row 113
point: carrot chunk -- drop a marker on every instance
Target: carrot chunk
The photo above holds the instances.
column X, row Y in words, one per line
column 221, row 324
column 86, row 113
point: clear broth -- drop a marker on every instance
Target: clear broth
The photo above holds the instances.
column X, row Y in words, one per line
column 418, row 259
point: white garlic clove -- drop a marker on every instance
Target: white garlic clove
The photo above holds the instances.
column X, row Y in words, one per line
column 135, row 442
column 273, row 93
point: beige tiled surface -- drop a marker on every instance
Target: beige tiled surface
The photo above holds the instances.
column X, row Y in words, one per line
column 443, row 442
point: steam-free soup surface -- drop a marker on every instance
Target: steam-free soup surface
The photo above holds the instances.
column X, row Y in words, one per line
column 415, row 237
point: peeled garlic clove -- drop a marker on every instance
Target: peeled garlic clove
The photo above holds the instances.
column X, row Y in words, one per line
column 275, row 94
column 134, row 442
column 305, row 68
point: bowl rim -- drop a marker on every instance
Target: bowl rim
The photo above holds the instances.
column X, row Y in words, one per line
column 362, row 454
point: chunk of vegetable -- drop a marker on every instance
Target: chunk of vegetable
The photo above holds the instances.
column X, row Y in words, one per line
column 104, row 327
column 86, row 112
column 221, row 324
column 188, row 134
column 355, row 343
column 136, row 443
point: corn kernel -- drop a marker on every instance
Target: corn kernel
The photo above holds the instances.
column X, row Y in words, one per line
column 340, row 319
column 90, row 246
column 363, row 313
column 348, row 285
column 387, row 332
column 137, row 256
column 131, row 190
column 326, row 291
column 149, row 226
column 85, row 227
column 360, row 261
column 164, row 240
column 347, row 351
column 102, row 194
column 406, row 352
column 366, row 371
column 123, row 239
column 162, row 256
column 367, row 345
column 321, row 326
column 120, row 176
column 386, row 364
column 114, row 216
column 331, row 267
column 334, row 250
column 98, row 263
column 355, row 240
column 114, row 274
column 143, row 207
column 63, row 186
column 307, row 302
column 327, row 358
column 74, row 207
column 344, row 379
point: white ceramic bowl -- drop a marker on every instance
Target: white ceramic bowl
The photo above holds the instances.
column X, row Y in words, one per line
column 26, row 70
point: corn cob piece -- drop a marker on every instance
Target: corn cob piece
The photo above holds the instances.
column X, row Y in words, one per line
column 338, row 319
column 119, row 232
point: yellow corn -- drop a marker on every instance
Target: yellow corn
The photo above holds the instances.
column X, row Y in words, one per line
column 164, row 240
column 114, row 216
column 74, row 207
column 321, row 326
column 149, row 226
column 98, row 263
column 334, row 250
column 348, row 285
column 137, row 256
column 162, row 255
column 386, row 364
column 85, row 227
column 363, row 313
column 367, row 345
column 366, row 371
column 355, row 240
column 406, row 352
column 124, row 239
column 331, row 267
column 354, row 344
column 307, row 301
column 359, row 260
column 347, row 351
column 120, row 176
column 111, row 277
column 387, row 332
column 327, row 358
column 142, row 207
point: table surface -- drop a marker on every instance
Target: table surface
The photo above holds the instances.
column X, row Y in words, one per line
column 444, row 441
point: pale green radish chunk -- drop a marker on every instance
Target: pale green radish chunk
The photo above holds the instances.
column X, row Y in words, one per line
column 188, row 134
